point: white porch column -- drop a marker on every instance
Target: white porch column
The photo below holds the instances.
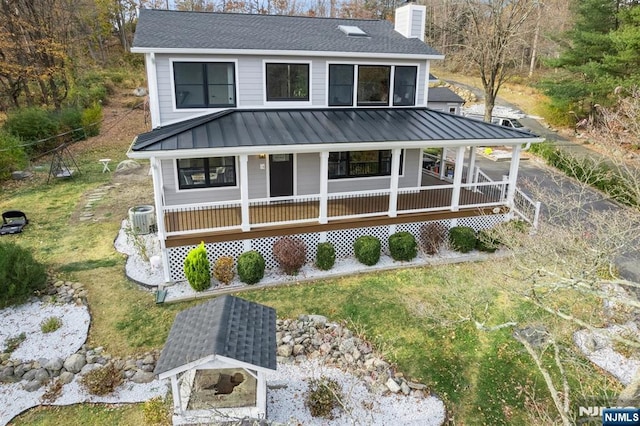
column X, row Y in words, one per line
column 244, row 192
column 261, row 395
column 175, row 390
column 156, row 176
column 393, row 188
column 324, row 186
column 443, row 163
column 513, row 173
column 472, row 165
column 457, row 179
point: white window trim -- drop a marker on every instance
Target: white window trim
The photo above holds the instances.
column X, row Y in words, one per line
column 356, row 65
column 286, row 104
column 174, row 105
column 208, row 188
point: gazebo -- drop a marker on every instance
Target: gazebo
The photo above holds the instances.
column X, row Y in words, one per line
column 216, row 356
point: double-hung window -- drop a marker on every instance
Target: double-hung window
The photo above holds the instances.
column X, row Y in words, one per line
column 204, row 84
column 340, row 85
column 348, row 164
column 287, row 82
column 404, row 86
column 206, row 172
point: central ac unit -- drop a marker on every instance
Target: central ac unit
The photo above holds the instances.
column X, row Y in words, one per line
column 142, row 219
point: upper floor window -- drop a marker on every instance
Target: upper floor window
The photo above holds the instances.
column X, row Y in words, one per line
column 340, row 85
column 347, row 164
column 373, row 85
column 404, row 86
column 206, row 172
column 287, row 82
column 204, row 84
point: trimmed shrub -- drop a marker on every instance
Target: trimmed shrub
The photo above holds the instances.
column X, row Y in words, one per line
column 487, row 241
column 20, row 274
column 324, row 395
column 432, row 237
column 196, row 268
column 102, row 380
column 251, row 267
column 223, row 269
column 92, row 119
column 367, row 249
column 462, row 238
column 13, row 156
column 325, row 256
column 403, row 246
column 290, row 253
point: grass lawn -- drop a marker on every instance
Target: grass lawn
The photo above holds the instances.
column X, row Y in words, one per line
column 422, row 319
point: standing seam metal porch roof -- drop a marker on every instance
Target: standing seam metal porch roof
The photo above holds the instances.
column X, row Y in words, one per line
column 262, row 128
column 227, row 326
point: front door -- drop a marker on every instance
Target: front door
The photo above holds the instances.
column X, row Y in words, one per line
column 280, row 175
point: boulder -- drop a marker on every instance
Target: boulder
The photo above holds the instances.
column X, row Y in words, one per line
column 32, row 386
column 143, row 377
column 392, row 385
column 54, row 364
column 284, row 350
column 42, row 375
column 66, row 378
column 75, row 363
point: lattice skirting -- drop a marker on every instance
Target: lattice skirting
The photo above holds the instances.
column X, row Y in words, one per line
column 341, row 239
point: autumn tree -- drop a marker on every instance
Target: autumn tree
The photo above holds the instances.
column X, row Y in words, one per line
column 35, row 36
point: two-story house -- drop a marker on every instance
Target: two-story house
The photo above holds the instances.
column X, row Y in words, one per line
column 265, row 126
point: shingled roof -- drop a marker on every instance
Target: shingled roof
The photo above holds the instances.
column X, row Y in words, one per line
column 226, row 326
column 170, row 29
column 443, row 94
column 249, row 129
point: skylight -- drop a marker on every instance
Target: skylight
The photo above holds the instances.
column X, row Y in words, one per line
column 352, row 31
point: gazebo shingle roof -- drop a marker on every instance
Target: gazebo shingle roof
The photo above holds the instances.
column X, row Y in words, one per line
column 227, row 326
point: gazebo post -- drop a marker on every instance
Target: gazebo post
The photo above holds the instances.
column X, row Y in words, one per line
column 175, row 389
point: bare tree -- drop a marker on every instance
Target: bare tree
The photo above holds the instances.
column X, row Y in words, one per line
column 492, row 37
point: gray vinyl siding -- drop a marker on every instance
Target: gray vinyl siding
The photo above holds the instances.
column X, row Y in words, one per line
column 416, row 23
column 173, row 196
column 257, row 177
column 250, row 82
column 308, row 174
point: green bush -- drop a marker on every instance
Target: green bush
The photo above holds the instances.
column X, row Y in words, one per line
column 323, row 396
column 156, row 411
column 487, row 240
column 197, row 268
column 102, row 380
column 462, row 238
column 432, row 237
column 251, row 267
column 20, row 274
column 70, row 120
column 33, row 124
column 367, row 249
column 290, row 253
column 92, row 119
column 12, row 155
column 403, row 246
column 325, row 256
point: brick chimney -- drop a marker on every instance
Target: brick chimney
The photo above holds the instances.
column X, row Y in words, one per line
column 410, row 20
